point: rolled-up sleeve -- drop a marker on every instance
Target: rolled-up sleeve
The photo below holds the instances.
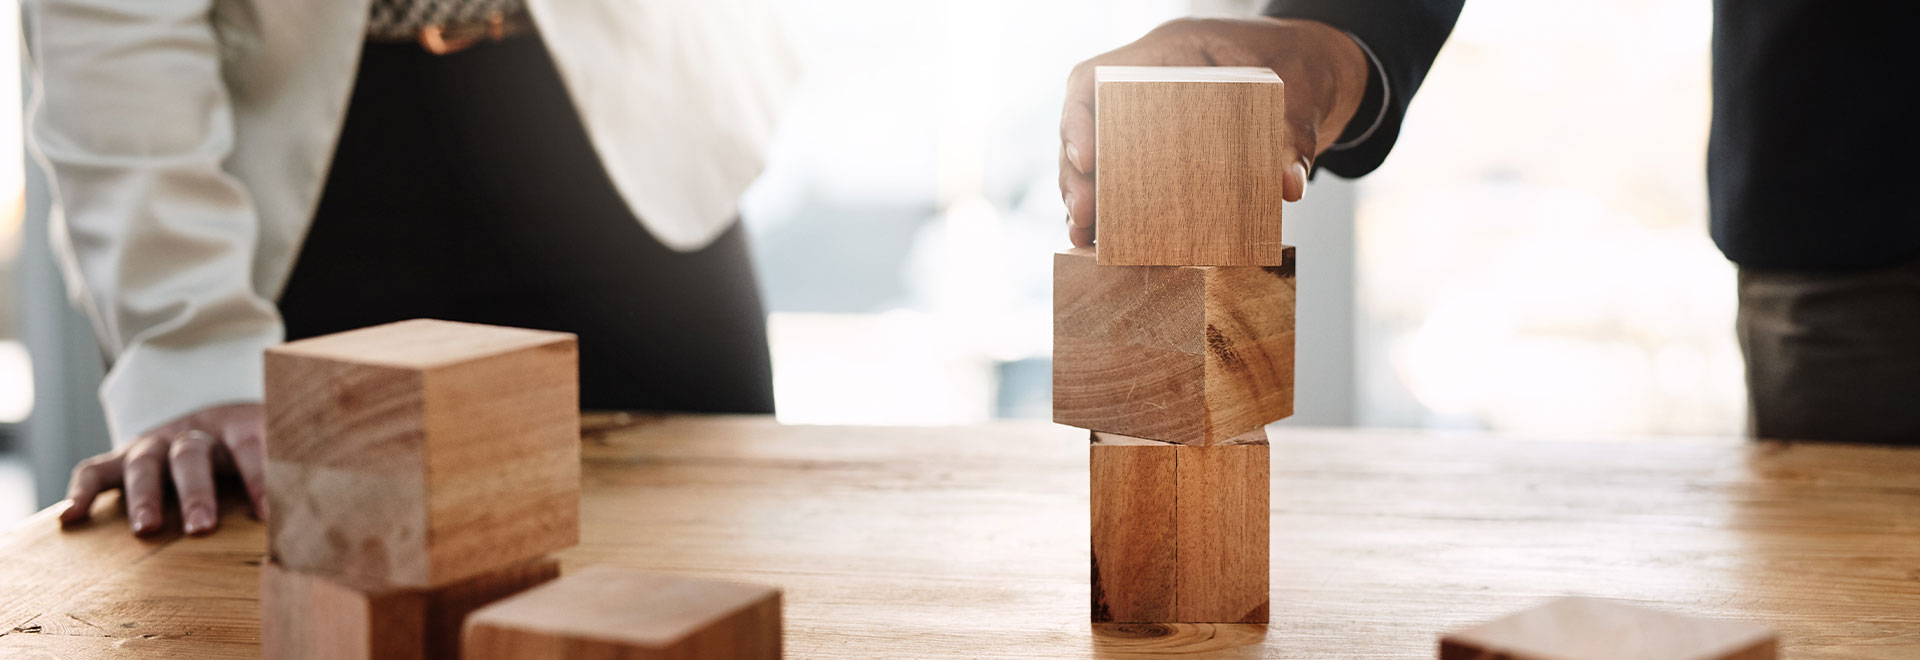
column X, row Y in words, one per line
column 132, row 121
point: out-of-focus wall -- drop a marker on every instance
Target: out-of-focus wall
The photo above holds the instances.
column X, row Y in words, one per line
column 1534, row 255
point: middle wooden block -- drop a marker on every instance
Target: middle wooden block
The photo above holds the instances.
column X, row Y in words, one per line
column 419, row 453
column 1186, row 354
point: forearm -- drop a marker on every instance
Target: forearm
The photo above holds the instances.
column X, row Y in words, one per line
column 133, row 122
column 1401, row 39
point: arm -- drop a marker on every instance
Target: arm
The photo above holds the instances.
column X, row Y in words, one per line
column 1401, row 39
column 132, row 121
column 1333, row 68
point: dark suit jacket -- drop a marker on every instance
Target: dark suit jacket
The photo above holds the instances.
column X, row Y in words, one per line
column 1811, row 164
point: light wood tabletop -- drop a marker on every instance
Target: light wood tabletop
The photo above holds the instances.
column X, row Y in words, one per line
column 972, row 542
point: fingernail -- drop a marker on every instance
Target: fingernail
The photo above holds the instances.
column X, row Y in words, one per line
column 145, row 520
column 1300, row 170
column 1073, row 156
column 199, row 520
column 68, row 512
column 1067, row 199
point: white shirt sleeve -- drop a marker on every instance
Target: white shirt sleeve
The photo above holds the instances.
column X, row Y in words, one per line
column 133, row 122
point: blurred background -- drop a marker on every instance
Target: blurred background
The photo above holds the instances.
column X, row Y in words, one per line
column 1532, row 258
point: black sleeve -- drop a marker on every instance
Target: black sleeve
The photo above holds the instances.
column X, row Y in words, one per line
column 1402, row 37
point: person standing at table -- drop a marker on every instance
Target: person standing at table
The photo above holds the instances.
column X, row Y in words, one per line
column 1807, row 174
column 230, row 174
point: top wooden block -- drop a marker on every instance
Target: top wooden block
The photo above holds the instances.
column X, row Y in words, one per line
column 1187, row 166
column 421, row 453
column 604, row 612
column 1599, row 629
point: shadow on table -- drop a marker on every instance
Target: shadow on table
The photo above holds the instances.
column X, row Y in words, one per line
column 1220, row 640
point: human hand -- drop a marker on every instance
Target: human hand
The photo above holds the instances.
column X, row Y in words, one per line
column 1324, row 70
column 189, row 450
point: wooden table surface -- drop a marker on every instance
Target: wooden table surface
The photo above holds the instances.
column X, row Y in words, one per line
column 971, row 542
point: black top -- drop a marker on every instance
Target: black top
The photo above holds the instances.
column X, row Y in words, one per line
column 1808, row 155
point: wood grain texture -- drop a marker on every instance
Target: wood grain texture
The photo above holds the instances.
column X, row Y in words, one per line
column 1222, row 536
column 1179, row 532
column 309, row 617
column 1601, row 629
column 422, row 453
column 1133, row 489
column 606, row 613
column 449, row 606
column 971, row 542
column 1188, row 164
column 1184, row 354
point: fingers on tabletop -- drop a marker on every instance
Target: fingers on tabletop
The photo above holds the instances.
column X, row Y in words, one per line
column 190, row 459
column 145, row 468
column 246, row 445
column 90, row 478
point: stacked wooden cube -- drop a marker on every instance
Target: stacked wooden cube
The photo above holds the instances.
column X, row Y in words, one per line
column 416, row 471
column 419, row 476
column 1174, row 340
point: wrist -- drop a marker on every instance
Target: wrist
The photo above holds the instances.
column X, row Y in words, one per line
column 1349, row 69
column 1332, row 56
column 1373, row 103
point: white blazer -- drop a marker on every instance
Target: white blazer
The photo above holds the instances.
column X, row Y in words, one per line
column 187, row 142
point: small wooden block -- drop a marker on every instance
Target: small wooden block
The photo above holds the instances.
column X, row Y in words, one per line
column 607, row 613
column 1180, row 533
column 422, row 453
column 1600, row 629
column 1186, row 354
column 1188, row 165
column 309, row 616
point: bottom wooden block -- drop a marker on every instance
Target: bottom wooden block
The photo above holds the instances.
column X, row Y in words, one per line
column 606, row 613
column 306, row 616
column 1179, row 531
column 1598, row 629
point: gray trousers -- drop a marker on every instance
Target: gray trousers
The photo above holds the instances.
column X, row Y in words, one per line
column 1833, row 356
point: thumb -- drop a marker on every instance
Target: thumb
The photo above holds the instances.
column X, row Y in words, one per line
column 1293, row 178
column 1293, row 182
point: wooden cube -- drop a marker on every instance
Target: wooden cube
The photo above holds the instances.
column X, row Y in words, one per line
column 1188, row 165
column 1185, row 354
column 422, row 453
column 309, row 616
column 1600, row 629
column 607, row 613
column 1179, row 532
